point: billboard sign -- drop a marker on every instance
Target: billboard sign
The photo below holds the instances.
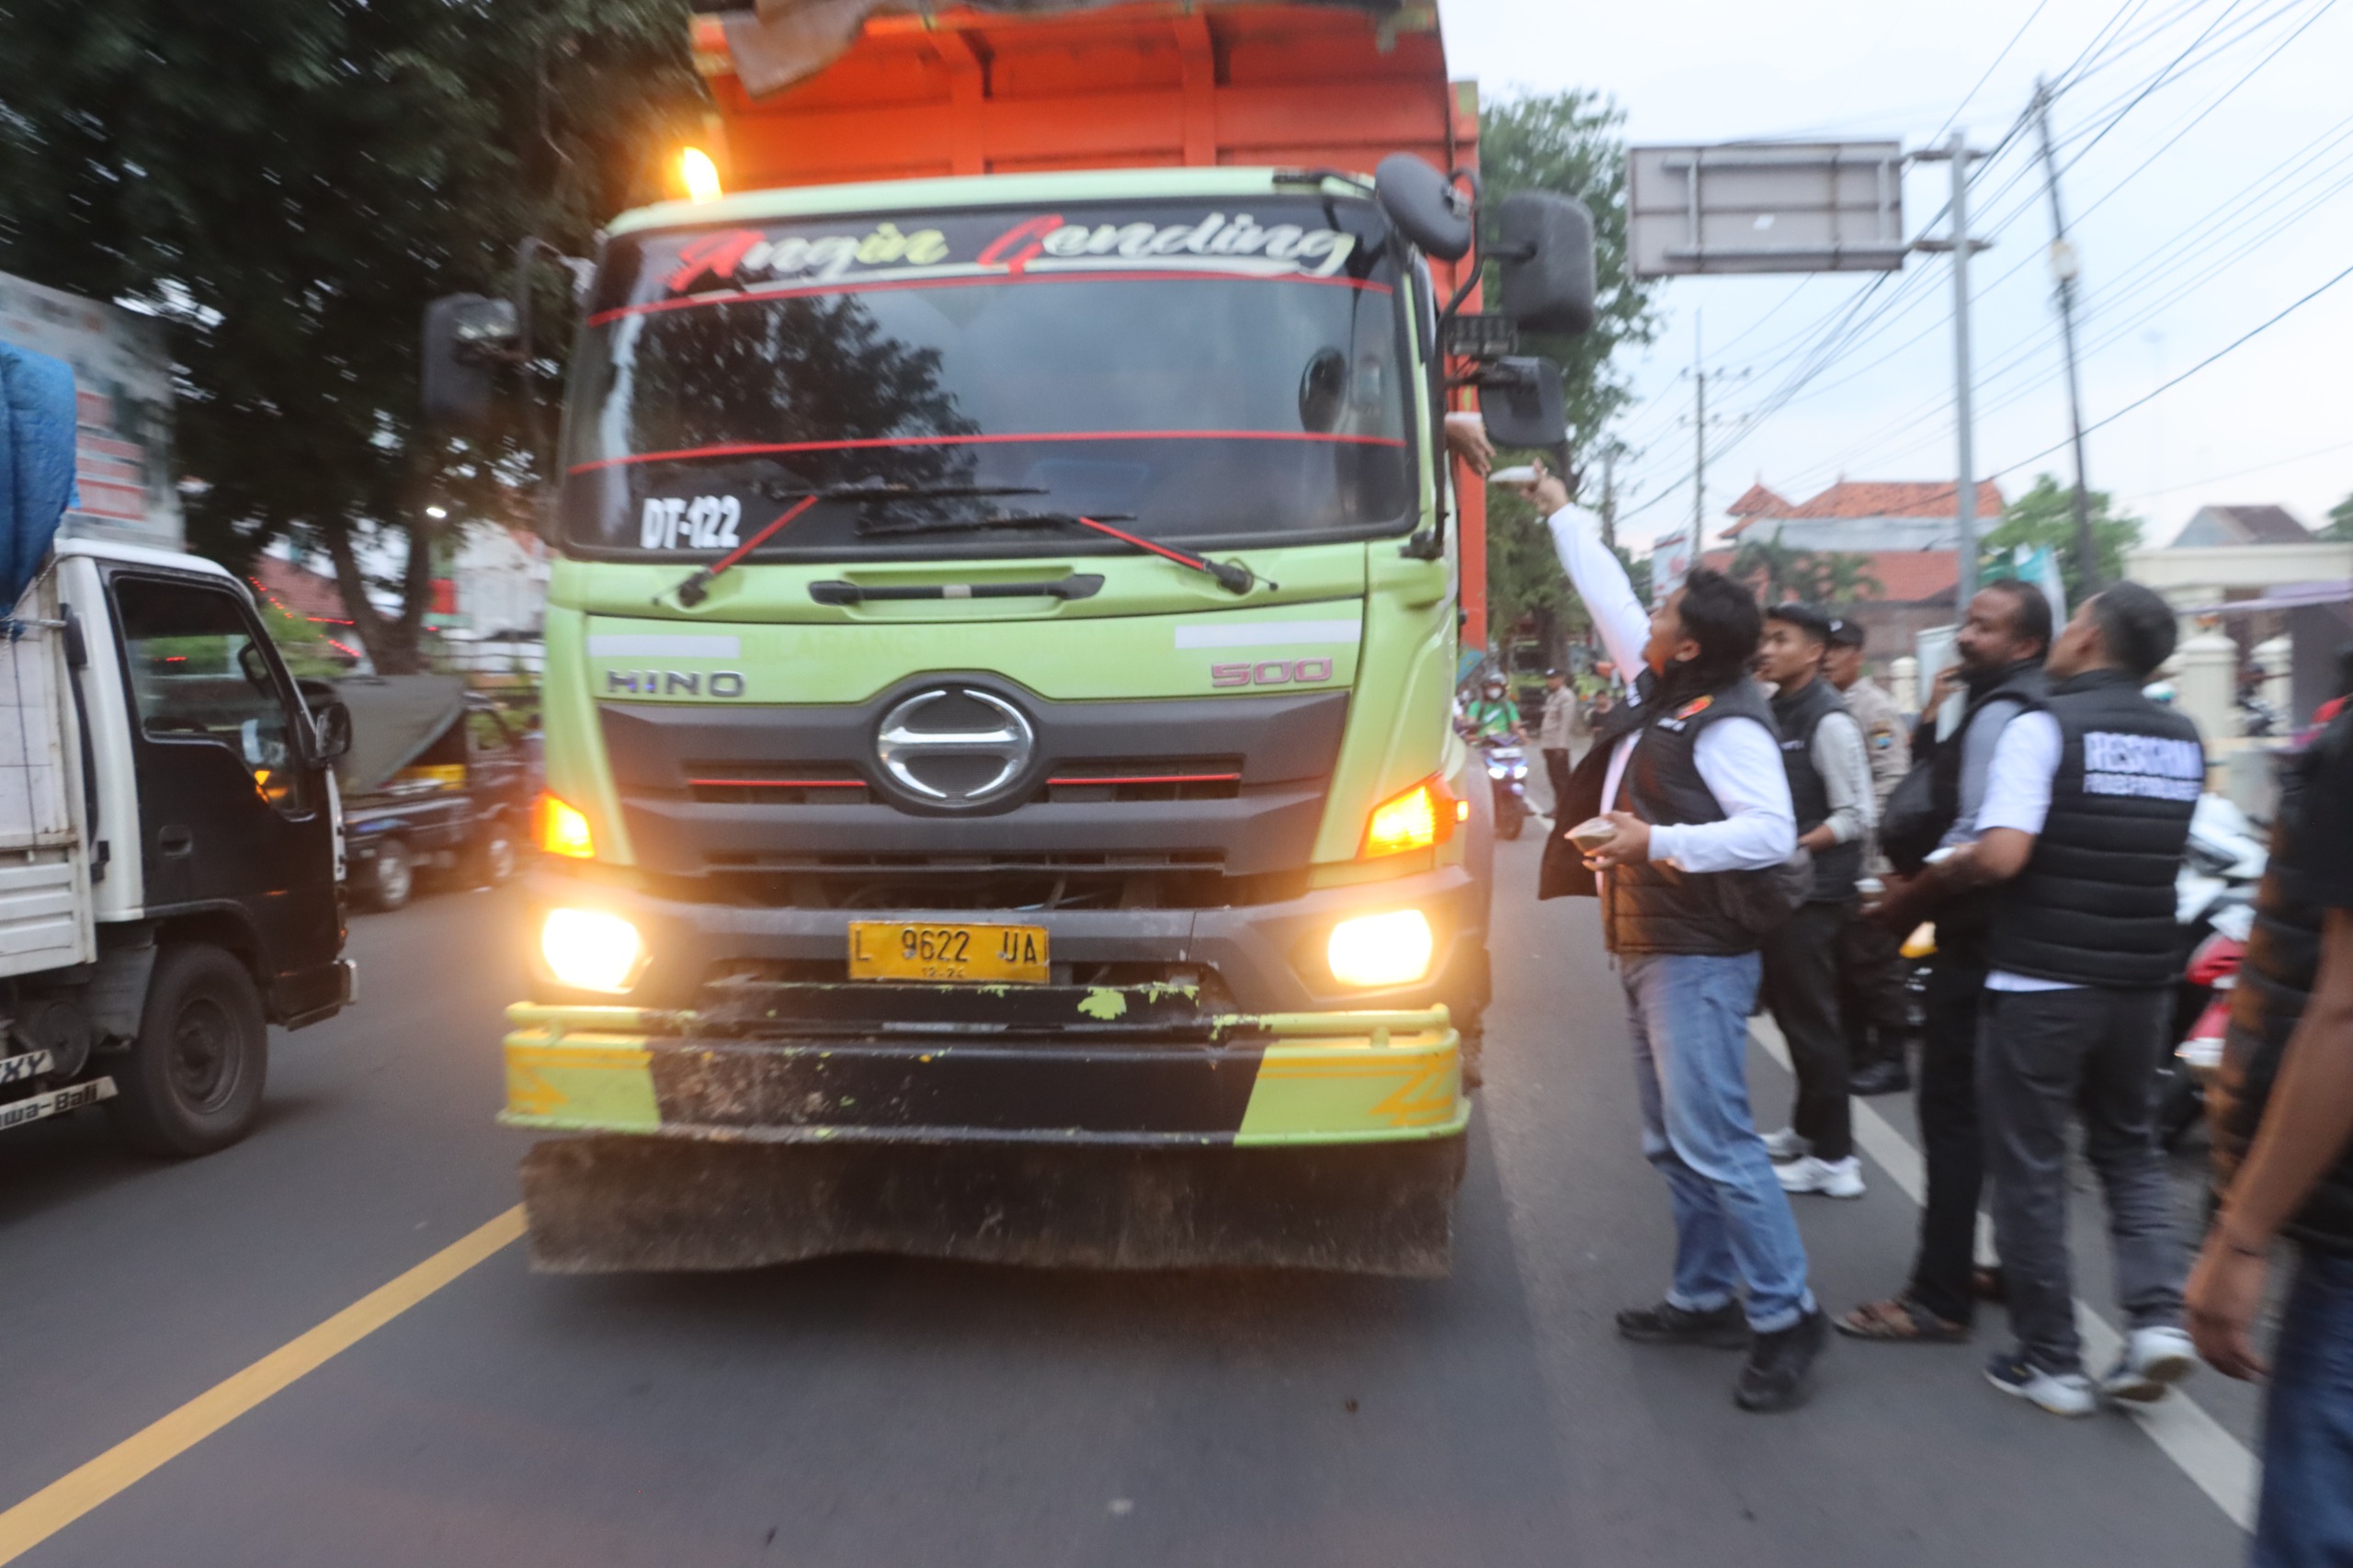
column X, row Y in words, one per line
column 123, row 393
column 1767, row 207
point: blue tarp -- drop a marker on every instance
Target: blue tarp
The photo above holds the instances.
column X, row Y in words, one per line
column 36, row 462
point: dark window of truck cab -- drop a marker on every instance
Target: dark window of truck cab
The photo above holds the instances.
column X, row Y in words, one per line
column 200, row 673
column 1231, row 372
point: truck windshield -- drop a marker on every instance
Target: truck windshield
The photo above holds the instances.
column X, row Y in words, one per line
column 1219, row 375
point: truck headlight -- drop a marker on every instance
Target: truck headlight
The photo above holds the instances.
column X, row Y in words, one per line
column 1380, row 950
column 592, row 949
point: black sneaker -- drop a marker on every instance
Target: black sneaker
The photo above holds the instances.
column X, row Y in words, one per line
column 1880, row 1078
column 1778, row 1365
column 1726, row 1328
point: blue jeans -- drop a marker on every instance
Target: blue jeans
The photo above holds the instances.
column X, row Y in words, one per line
column 1732, row 1225
column 2306, row 1520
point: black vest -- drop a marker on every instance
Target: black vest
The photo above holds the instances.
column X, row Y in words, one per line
column 2095, row 906
column 1652, row 908
column 1961, row 921
column 2275, row 983
column 1798, row 714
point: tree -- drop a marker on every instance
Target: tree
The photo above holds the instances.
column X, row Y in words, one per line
column 1783, row 572
column 1568, row 143
column 2044, row 518
column 286, row 183
column 2340, row 520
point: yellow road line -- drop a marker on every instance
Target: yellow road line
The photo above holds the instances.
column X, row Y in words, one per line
column 62, row 1501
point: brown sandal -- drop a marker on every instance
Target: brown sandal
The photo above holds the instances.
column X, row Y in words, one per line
column 1900, row 1320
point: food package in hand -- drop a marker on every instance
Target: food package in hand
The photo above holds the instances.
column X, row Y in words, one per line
column 1593, row 832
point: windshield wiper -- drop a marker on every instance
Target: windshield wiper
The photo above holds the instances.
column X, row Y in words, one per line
column 1231, row 575
column 696, row 586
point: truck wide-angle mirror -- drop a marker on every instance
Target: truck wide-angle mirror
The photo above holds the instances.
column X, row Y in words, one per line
column 1544, row 243
column 1424, row 205
column 465, row 336
column 1519, row 400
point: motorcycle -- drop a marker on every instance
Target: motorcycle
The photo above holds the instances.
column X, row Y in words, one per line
column 2214, row 972
column 1508, row 777
column 2213, row 911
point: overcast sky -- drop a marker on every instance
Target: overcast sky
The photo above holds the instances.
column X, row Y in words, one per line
column 2232, row 218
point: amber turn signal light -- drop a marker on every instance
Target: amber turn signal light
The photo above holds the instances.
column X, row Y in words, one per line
column 1417, row 818
column 562, row 831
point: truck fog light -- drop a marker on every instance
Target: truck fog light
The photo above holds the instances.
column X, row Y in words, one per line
column 592, row 949
column 1380, row 950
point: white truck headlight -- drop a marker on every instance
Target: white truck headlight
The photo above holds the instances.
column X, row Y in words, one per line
column 1380, row 950
column 592, row 949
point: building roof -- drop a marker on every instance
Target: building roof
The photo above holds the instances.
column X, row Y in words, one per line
column 1758, row 501
column 2246, row 525
column 1857, row 499
column 1901, row 498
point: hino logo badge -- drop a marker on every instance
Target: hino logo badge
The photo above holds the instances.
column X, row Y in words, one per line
column 963, row 766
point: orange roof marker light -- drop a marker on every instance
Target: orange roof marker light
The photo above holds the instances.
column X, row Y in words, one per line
column 700, row 174
column 563, row 831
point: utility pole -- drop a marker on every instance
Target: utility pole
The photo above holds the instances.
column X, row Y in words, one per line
column 1699, row 455
column 1956, row 151
column 2063, row 271
column 1610, row 494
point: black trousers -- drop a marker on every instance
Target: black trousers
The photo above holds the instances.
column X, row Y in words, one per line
column 1802, row 991
column 2044, row 1059
column 1556, row 771
column 1871, row 1002
column 1949, row 1142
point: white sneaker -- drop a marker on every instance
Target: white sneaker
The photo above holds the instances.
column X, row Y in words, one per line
column 1832, row 1178
column 2062, row 1393
column 2152, row 1360
column 1786, row 1145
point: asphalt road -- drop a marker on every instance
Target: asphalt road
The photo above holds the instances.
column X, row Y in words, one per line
column 884, row 1412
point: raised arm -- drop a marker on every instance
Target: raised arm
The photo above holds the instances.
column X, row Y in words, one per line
column 1599, row 578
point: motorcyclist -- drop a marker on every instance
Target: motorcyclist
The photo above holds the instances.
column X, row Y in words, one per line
column 1491, row 718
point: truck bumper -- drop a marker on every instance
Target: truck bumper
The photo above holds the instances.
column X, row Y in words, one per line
column 1129, row 1078
column 1095, row 1128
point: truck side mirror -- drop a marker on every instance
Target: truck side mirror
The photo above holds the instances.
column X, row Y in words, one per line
column 1424, row 205
column 465, row 336
column 331, row 734
column 1519, row 400
column 1545, row 245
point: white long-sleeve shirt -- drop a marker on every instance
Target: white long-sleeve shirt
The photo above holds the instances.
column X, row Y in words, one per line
column 1739, row 759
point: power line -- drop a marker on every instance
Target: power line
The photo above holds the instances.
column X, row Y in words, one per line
column 1837, row 335
column 2162, row 263
column 2242, row 473
column 2164, row 387
column 1939, row 135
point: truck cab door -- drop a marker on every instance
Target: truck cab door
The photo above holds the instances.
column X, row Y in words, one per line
column 231, row 811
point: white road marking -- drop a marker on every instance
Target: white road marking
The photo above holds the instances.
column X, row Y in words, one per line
column 2205, row 1450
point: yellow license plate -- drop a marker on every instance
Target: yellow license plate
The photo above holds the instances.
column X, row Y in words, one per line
column 893, row 949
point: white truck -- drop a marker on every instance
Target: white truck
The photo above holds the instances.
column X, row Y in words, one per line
column 167, row 833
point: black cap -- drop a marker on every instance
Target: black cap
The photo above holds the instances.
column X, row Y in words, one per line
column 1550, row 673
column 1844, row 633
column 1804, row 617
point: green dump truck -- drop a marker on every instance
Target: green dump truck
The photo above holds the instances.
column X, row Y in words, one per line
column 1001, row 796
